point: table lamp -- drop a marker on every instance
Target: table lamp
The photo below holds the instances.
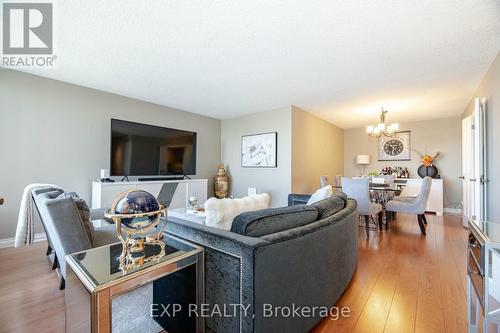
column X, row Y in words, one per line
column 363, row 160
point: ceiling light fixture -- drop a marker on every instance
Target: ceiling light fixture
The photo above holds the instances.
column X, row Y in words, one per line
column 381, row 128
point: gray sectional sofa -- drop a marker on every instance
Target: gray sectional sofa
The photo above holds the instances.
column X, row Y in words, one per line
column 295, row 256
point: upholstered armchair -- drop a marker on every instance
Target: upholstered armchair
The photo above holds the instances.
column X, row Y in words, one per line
column 66, row 221
column 359, row 189
column 412, row 205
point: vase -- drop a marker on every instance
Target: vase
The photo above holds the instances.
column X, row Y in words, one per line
column 221, row 182
column 424, row 171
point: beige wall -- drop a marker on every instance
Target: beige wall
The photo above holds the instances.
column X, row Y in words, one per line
column 275, row 181
column 56, row 132
column 317, row 149
column 489, row 88
column 443, row 135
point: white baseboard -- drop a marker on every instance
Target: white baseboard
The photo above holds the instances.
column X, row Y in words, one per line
column 9, row 242
column 455, row 211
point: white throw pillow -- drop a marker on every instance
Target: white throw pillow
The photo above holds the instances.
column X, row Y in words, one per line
column 322, row 193
column 220, row 213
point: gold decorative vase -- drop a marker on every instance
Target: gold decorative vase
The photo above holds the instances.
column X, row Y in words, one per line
column 221, row 182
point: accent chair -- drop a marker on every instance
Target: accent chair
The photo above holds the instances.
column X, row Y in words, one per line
column 359, row 189
column 411, row 205
column 66, row 221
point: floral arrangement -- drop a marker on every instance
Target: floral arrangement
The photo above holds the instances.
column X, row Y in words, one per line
column 427, row 159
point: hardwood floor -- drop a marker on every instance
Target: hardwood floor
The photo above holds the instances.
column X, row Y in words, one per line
column 30, row 299
column 404, row 282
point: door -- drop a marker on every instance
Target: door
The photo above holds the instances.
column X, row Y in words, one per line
column 474, row 164
column 480, row 155
column 467, row 169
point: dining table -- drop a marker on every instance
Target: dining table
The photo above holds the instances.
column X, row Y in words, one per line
column 382, row 193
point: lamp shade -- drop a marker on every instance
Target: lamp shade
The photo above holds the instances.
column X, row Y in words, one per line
column 363, row 159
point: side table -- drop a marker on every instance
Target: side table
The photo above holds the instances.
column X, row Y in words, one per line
column 156, row 296
column 483, row 277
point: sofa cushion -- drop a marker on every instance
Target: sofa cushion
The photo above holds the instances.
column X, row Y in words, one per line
column 321, row 194
column 220, row 213
column 329, row 206
column 269, row 221
column 84, row 212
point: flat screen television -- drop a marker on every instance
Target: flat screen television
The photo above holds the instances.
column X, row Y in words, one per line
column 147, row 150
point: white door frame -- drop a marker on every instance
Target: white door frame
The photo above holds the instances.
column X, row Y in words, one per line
column 474, row 164
column 467, row 169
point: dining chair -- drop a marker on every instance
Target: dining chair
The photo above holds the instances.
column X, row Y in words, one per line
column 359, row 189
column 68, row 228
column 337, row 181
column 388, row 181
column 411, row 205
column 324, row 180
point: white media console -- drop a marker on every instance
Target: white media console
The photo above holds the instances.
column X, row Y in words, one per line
column 175, row 193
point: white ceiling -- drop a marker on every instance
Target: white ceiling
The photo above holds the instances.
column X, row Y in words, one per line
column 341, row 60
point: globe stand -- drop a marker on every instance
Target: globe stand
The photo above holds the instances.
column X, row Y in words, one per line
column 134, row 252
column 134, row 244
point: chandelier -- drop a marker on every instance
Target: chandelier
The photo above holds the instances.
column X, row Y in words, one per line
column 381, row 128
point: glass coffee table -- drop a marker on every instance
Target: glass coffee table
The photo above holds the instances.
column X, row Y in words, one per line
column 153, row 297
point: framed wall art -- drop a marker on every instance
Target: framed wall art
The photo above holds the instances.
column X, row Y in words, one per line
column 259, row 150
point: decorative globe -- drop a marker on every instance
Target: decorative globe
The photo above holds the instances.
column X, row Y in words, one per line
column 137, row 202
